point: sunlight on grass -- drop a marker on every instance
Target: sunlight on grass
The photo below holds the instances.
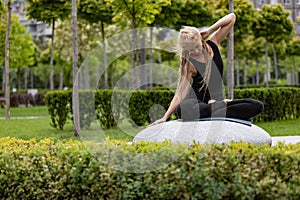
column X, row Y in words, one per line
column 24, row 127
column 26, row 111
column 281, row 128
column 34, row 122
column 38, row 128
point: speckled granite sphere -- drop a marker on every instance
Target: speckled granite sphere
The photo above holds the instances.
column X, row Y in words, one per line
column 204, row 132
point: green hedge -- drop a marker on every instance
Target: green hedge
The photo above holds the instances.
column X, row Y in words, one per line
column 59, row 107
column 67, row 170
column 132, row 105
column 279, row 103
column 110, row 106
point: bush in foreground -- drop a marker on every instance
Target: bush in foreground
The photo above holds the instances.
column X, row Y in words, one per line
column 68, row 170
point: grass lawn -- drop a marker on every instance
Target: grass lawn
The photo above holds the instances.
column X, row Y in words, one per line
column 34, row 122
column 281, row 128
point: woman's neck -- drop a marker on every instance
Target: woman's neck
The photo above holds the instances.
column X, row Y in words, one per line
column 199, row 56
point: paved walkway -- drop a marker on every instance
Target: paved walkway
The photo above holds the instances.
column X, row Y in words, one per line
column 286, row 139
column 25, row 117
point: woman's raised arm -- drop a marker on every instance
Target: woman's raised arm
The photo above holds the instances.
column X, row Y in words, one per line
column 220, row 29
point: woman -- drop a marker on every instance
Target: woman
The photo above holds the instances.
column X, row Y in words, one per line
column 199, row 92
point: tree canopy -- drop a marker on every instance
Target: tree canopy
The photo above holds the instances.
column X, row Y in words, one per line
column 21, row 44
column 196, row 13
column 137, row 12
column 272, row 21
column 47, row 10
column 95, row 11
column 245, row 12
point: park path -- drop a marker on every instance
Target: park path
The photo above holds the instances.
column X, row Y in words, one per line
column 25, row 117
column 285, row 139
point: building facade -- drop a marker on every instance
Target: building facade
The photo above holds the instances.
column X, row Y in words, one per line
column 36, row 29
column 39, row 29
column 292, row 5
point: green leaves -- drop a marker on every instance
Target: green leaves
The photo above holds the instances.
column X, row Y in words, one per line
column 47, row 10
column 21, row 44
column 186, row 12
column 273, row 21
column 245, row 15
column 139, row 106
column 48, row 169
column 95, row 11
column 137, row 12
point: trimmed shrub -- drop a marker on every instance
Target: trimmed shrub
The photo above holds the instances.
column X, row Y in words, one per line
column 143, row 106
column 67, row 170
column 17, row 99
column 105, row 115
column 142, row 101
column 39, row 99
column 59, row 107
column 279, row 103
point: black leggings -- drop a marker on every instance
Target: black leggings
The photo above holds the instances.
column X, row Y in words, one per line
column 245, row 109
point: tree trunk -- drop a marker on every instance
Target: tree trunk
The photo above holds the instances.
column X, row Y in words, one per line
column 31, row 78
column 298, row 74
column 230, row 61
column 151, row 59
column 75, row 95
column 112, row 76
column 238, row 72
column 293, row 70
column 257, row 71
column 133, row 43
column 19, row 80
column 86, row 74
column 143, row 59
column 267, row 64
column 3, row 80
column 51, row 56
column 104, row 56
column 6, row 60
column 245, row 71
column 275, row 65
column 61, row 78
column 25, row 78
column 286, row 72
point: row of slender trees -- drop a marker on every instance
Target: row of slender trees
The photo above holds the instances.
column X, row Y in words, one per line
column 257, row 33
column 103, row 15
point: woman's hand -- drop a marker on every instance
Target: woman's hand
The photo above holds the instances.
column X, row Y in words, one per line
column 227, row 100
column 157, row 122
column 224, row 100
column 211, row 101
column 205, row 33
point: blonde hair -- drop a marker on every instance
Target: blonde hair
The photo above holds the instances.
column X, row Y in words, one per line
column 189, row 42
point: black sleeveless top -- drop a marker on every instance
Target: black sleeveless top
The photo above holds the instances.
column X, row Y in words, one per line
column 215, row 85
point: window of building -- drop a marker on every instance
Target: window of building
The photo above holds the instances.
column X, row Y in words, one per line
column 32, row 28
column 298, row 2
column 261, row 2
column 274, row 1
column 298, row 28
column 286, row 2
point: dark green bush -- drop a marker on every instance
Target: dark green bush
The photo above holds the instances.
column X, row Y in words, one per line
column 39, row 99
column 139, row 106
column 105, row 115
column 279, row 103
column 86, row 107
column 67, row 170
column 142, row 101
column 59, row 107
